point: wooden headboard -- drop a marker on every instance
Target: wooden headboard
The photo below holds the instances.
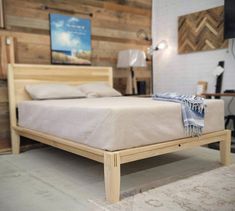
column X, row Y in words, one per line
column 20, row 75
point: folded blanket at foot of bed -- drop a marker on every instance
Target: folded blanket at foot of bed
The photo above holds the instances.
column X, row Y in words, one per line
column 193, row 110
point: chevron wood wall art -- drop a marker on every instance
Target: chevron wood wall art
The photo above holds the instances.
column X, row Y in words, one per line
column 201, row 31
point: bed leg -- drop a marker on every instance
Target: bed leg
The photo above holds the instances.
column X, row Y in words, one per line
column 112, row 174
column 15, row 142
column 225, row 149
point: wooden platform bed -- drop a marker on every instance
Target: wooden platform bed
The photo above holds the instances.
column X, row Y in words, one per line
column 19, row 75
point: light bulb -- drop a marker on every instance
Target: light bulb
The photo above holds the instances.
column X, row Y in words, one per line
column 162, row 45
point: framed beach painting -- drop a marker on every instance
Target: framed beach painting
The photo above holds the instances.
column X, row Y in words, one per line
column 70, row 40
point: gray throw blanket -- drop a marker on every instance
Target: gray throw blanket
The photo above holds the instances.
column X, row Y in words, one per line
column 193, row 110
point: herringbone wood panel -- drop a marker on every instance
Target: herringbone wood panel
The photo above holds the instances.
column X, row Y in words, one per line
column 201, row 31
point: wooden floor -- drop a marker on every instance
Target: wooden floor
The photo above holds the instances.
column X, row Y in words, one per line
column 36, row 179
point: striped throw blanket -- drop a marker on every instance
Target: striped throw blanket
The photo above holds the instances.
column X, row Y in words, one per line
column 193, row 110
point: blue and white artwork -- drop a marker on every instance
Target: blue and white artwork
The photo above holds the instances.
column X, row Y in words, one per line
column 70, row 40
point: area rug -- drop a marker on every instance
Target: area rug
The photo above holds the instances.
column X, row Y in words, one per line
column 213, row 190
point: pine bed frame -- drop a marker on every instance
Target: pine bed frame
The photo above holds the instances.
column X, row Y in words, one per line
column 20, row 74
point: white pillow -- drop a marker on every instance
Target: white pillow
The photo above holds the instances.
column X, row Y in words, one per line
column 99, row 89
column 53, row 91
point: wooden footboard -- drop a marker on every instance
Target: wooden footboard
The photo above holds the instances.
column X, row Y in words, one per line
column 20, row 75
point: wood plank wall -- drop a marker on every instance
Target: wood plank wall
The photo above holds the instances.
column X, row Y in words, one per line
column 115, row 24
column 4, row 118
column 114, row 28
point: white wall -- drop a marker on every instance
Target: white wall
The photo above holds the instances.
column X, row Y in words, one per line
column 180, row 73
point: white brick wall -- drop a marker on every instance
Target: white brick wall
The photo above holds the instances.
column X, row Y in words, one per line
column 180, row 73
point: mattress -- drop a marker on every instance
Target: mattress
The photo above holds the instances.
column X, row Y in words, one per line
column 114, row 123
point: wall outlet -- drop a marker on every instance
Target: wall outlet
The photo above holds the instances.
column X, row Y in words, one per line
column 8, row 40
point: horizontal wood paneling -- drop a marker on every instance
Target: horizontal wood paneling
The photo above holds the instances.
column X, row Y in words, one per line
column 1, row 14
column 35, row 49
column 114, row 27
column 4, row 117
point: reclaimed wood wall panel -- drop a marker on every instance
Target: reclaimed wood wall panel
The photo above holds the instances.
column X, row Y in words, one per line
column 1, row 14
column 202, row 31
column 114, row 27
column 4, row 117
column 7, row 54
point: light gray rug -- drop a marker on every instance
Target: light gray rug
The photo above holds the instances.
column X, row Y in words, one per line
column 49, row 179
column 213, row 190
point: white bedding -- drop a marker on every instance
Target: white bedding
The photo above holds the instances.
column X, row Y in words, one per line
column 114, row 123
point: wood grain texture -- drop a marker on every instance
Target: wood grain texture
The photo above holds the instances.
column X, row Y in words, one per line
column 3, row 57
column 112, row 176
column 65, row 74
column 114, row 28
column 7, row 54
column 202, row 31
column 225, row 150
column 133, row 154
column 73, row 147
column 1, row 14
column 4, row 117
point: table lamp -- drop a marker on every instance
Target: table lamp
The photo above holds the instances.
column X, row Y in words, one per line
column 218, row 73
column 131, row 58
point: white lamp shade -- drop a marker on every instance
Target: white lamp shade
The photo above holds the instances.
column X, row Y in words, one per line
column 131, row 58
column 218, row 71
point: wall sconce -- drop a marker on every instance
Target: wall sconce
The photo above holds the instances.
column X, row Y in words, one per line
column 143, row 34
column 160, row 46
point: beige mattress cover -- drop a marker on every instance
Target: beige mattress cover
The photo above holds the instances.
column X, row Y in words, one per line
column 114, row 123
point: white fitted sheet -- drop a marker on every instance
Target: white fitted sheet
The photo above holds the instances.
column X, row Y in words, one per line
column 114, row 123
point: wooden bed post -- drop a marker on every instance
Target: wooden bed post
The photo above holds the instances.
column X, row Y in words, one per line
column 112, row 175
column 225, row 149
column 15, row 142
column 15, row 138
